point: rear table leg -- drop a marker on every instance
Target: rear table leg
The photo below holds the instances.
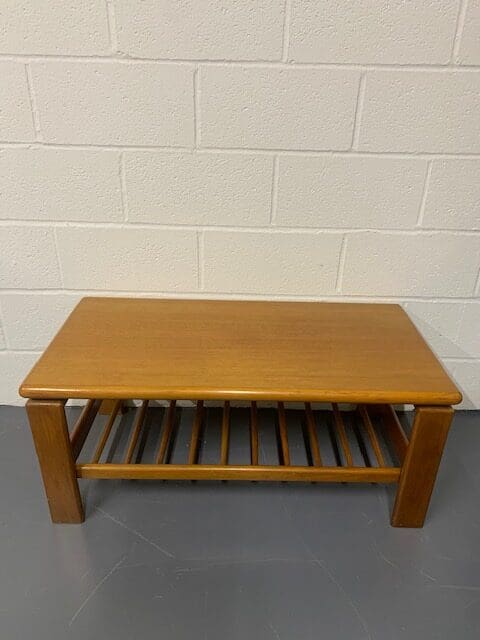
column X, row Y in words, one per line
column 54, row 451
column 419, row 469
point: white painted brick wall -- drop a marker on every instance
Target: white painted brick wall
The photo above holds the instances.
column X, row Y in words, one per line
column 16, row 120
column 131, row 259
column 114, row 103
column 210, row 29
column 65, row 27
column 262, row 107
column 287, row 263
column 188, row 188
column 469, row 45
column 266, row 148
column 388, row 31
column 60, row 184
column 349, row 191
column 421, row 111
column 386, row 264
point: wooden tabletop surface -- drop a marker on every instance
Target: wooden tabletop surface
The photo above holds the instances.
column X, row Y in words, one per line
column 206, row 349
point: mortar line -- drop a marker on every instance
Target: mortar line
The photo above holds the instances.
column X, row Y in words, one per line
column 123, row 185
column 459, row 27
column 423, row 201
column 240, row 295
column 274, row 191
column 112, row 26
column 287, row 9
column 358, row 112
column 200, row 259
column 3, row 330
column 57, row 254
column 281, row 229
column 121, row 58
column 314, row 153
column 341, row 265
column 196, row 108
column 33, row 104
column 476, row 290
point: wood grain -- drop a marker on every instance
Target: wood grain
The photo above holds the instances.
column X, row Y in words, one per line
column 167, row 432
column 419, row 470
column 394, row 430
column 238, row 472
column 312, row 435
column 210, row 349
column 254, row 433
column 52, row 443
column 83, row 425
column 225, row 433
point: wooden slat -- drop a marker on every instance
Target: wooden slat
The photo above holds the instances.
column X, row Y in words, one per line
column 83, row 425
column 106, row 407
column 137, row 427
column 106, row 431
column 342, row 436
column 372, row 435
column 197, row 425
column 395, row 432
column 237, row 472
column 254, row 433
column 225, row 433
column 312, row 435
column 282, row 422
column 167, row 432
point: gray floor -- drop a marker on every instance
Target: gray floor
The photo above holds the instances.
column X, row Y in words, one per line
column 219, row 560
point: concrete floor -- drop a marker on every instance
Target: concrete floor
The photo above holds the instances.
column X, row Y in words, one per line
column 217, row 560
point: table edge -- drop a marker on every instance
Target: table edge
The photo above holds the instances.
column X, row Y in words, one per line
column 206, row 393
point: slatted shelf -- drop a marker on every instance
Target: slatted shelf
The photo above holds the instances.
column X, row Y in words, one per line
column 367, row 444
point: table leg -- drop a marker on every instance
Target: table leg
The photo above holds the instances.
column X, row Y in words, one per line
column 419, row 469
column 52, row 443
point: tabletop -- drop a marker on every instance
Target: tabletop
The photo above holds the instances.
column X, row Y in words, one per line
column 133, row 348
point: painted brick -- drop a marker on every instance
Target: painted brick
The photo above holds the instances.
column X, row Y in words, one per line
column 469, row 333
column 114, row 103
column 54, row 27
column 128, row 259
column 16, row 121
column 467, row 376
column 349, row 192
column 439, row 324
column 421, row 111
column 453, row 198
column 211, row 29
column 287, row 263
column 28, row 258
column 13, row 369
column 198, row 188
column 31, row 321
column 277, row 108
column 470, row 42
column 402, row 265
column 60, row 184
column 395, row 32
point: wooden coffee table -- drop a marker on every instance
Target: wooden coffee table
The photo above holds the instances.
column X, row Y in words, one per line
column 111, row 350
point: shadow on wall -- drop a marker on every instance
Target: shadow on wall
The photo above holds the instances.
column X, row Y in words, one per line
column 442, row 333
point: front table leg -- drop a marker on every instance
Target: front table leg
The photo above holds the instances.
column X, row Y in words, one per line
column 52, row 443
column 419, row 469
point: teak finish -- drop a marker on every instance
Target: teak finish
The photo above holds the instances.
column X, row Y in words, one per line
column 54, row 452
column 111, row 350
column 206, row 349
